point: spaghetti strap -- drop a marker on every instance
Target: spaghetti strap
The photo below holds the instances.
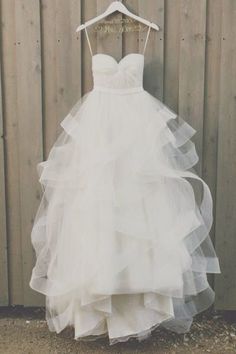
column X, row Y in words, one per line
column 145, row 44
column 89, row 44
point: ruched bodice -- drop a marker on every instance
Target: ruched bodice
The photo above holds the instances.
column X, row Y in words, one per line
column 125, row 75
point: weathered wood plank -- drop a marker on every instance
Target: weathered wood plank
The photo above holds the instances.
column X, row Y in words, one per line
column 67, row 55
column 29, row 118
column 11, row 152
column 89, row 10
column 154, row 53
column 192, row 67
column 225, row 283
column 171, row 56
column 212, row 99
column 61, row 64
column 49, row 77
column 4, row 298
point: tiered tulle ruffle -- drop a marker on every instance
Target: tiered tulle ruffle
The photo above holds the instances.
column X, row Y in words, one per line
column 122, row 244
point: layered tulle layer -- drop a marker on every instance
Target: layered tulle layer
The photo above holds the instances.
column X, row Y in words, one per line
column 122, row 243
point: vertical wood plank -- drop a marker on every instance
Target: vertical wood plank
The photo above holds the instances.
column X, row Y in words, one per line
column 67, row 55
column 29, row 117
column 4, row 299
column 154, row 53
column 49, row 77
column 225, row 283
column 171, row 56
column 61, row 53
column 212, row 99
column 192, row 67
column 11, row 147
column 89, row 10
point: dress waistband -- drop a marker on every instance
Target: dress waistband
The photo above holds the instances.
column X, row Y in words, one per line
column 118, row 90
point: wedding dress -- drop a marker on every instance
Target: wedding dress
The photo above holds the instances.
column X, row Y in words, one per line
column 122, row 245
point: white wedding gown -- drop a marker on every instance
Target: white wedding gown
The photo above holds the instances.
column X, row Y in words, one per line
column 122, row 244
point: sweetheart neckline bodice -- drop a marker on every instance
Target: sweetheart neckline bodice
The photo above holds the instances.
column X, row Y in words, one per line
column 112, row 75
column 118, row 61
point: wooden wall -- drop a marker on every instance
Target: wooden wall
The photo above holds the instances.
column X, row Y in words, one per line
column 45, row 68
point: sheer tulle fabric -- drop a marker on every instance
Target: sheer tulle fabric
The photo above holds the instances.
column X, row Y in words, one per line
column 122, row 243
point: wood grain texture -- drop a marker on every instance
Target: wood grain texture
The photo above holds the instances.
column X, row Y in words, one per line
column 225, row 283
column 89, row 10
column 171, row 56
column 49, row 77
column 29, row 118
column 212, row 99
column 68, row 52
column 192, row 67
column 9, row 78
column 61, row 56
column 154, row 54
column 4, row 299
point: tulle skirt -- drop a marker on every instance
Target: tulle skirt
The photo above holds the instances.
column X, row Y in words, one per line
column 122, row 243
